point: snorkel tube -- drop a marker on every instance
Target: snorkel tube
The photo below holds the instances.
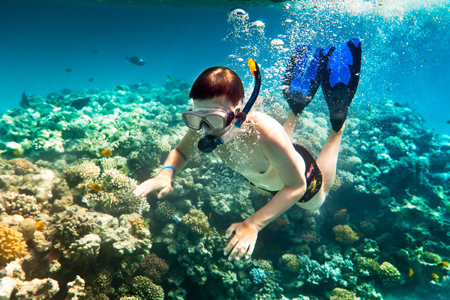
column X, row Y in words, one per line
column 208, row 143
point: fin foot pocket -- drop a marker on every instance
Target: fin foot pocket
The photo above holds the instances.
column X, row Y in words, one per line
column 302, row 77
column 340, row 68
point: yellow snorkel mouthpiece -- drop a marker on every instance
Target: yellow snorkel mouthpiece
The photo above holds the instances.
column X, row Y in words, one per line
column 252, row 65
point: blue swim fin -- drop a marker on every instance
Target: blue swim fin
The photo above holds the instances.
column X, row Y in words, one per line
column 340, row 72
column 302, row 77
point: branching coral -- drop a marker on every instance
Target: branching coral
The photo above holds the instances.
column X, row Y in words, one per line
column 314, row 273
column 87, row 171
column 197, row 222
column 114, row 180
column 112, row 193
column 20, row 204
column 12, row 245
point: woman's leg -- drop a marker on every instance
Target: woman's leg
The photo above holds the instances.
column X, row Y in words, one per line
column 289, row 124
column 327, row 159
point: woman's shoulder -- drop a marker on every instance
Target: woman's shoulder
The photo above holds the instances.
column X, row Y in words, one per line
column 263, row 121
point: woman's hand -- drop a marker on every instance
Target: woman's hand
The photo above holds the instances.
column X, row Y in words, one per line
column 243, row 241
column 160, row 182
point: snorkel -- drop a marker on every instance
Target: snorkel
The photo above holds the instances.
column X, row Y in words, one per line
column 208, row 143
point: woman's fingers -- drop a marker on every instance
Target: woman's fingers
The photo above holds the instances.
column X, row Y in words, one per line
column 230, row 230
column 164, row 191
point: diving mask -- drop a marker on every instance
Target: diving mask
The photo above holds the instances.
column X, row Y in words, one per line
column 215, row 118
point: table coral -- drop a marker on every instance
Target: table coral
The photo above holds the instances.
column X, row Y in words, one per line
column 12, row 245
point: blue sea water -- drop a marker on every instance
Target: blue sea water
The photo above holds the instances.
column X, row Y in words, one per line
column 406, row 53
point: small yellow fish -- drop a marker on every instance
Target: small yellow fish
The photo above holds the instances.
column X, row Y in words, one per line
column 39, row 226
column 106, row 152
column 443, row 264
column 359, row 235
column 435, row 276
column 411, row 273
column 96, row 187
column 339, row 239
column 16, row 152
column 209, row 216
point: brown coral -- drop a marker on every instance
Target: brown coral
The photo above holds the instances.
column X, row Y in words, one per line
column 289, row 263
column 342, row 294
column 197, row 222
column 154, row 267
column 367, row 266
column 345, row 234
column 21, row 166
column 389, row 275
column 12, row 245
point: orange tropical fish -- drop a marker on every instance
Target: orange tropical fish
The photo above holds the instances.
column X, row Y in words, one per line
column 281, row 221
column 411, row 273
column 106, row 152
column 54, row 254
column 435, row 276
column 209, row 216
column 339, row 239
column 96, row 187
column 39, row 226
column 443, row 264
column 16, row 152
column 340, row 213
column 310, row 238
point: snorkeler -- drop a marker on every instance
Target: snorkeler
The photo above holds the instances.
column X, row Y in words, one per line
column 260, row 148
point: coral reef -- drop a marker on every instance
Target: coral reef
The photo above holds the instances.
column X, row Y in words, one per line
column 386, row 216
column 12, row 244
column 196, row 222
column 143, row 287
column 345, row 234
column 154, row 267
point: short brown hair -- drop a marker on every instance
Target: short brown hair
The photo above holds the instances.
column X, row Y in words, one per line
column 216, row 82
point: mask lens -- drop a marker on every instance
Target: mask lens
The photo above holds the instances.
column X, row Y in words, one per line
column 192, row 121
column 215, row 122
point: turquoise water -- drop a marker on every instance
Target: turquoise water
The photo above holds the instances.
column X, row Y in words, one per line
column 381, row 234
